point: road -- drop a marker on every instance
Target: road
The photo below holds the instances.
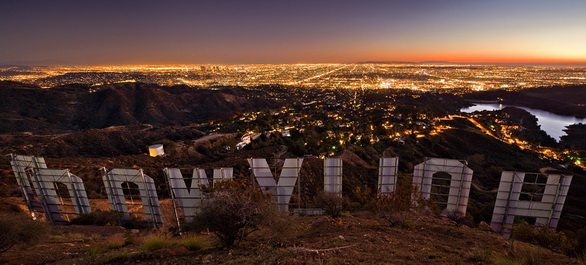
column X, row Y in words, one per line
column 477, row 124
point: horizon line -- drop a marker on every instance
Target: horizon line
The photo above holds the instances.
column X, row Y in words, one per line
column 456, row 62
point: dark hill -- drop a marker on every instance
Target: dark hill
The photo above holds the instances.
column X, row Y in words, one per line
column 29, row 108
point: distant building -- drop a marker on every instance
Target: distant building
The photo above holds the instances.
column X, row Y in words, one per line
column 156, row 150
column 245, row 140
column 240, row 145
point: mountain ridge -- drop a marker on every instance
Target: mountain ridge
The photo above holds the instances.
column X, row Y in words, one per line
column 74, row 107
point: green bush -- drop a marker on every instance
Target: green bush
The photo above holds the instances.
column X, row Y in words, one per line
column 193, row 243
column 15, row 229
column 155, row 243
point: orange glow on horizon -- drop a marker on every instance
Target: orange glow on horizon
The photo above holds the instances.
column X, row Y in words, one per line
column 481, row 58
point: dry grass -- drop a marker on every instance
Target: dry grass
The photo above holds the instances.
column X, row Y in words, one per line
column 528, row 255
column 18, row 229
column 153, row 243
column 363, row 238
column 190, row 242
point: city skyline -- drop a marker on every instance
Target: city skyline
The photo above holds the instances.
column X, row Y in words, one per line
column 231, row 32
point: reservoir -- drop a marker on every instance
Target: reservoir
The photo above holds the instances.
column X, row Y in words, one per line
column 552, row 124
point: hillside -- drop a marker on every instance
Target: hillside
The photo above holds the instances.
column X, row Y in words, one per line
column 84, row 152
column 111, row 126
column 360, row 237
column 77, row 107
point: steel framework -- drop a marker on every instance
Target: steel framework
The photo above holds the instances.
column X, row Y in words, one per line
column 544, row 200
column 333, row 175
column 282, row 189
column 460, row 180
column 387, row 175
column 130, row 191
column 187, row 201
column 62, row 205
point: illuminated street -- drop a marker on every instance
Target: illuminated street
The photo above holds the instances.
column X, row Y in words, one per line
column 452, row 78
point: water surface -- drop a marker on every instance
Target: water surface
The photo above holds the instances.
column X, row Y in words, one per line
column 553, row 124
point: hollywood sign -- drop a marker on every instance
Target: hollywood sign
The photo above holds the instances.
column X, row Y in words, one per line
column 538, row 196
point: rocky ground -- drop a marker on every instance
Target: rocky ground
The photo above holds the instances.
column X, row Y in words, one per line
column 359, row 237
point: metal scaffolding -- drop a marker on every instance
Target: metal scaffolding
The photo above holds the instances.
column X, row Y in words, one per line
column 282, row 189
column 62, row 193
column 24, row 170
column 56, row 194
column 333, row 175
column 387, row 175
column 531, row 195
column 187, row 201
column 221, row 174
column 453, row 197
column 133, row 193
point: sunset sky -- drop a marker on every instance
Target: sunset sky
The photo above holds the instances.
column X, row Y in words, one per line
column 300, row 31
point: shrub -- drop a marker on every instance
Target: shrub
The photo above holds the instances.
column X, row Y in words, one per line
column 405, row 198
column 193, row 243
column 480, row 256
column 384, row 205
column 110, row 218
column 581, row 258
column 466, row 220
column 362, row 195
column 543, row 236
column 394, row 207
column 579, row 239
column 234, row 210
column 15, row 229
column 98, row 217
column 332, row 204
column 399, row 219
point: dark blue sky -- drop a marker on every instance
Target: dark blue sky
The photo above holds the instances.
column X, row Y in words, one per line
column 136, row 32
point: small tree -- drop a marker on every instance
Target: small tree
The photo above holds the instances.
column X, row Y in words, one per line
column 234, row 210
column 404, row 198
column 396, row 206
column 331, row 203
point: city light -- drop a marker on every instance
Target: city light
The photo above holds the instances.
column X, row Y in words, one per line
column 451, row 78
